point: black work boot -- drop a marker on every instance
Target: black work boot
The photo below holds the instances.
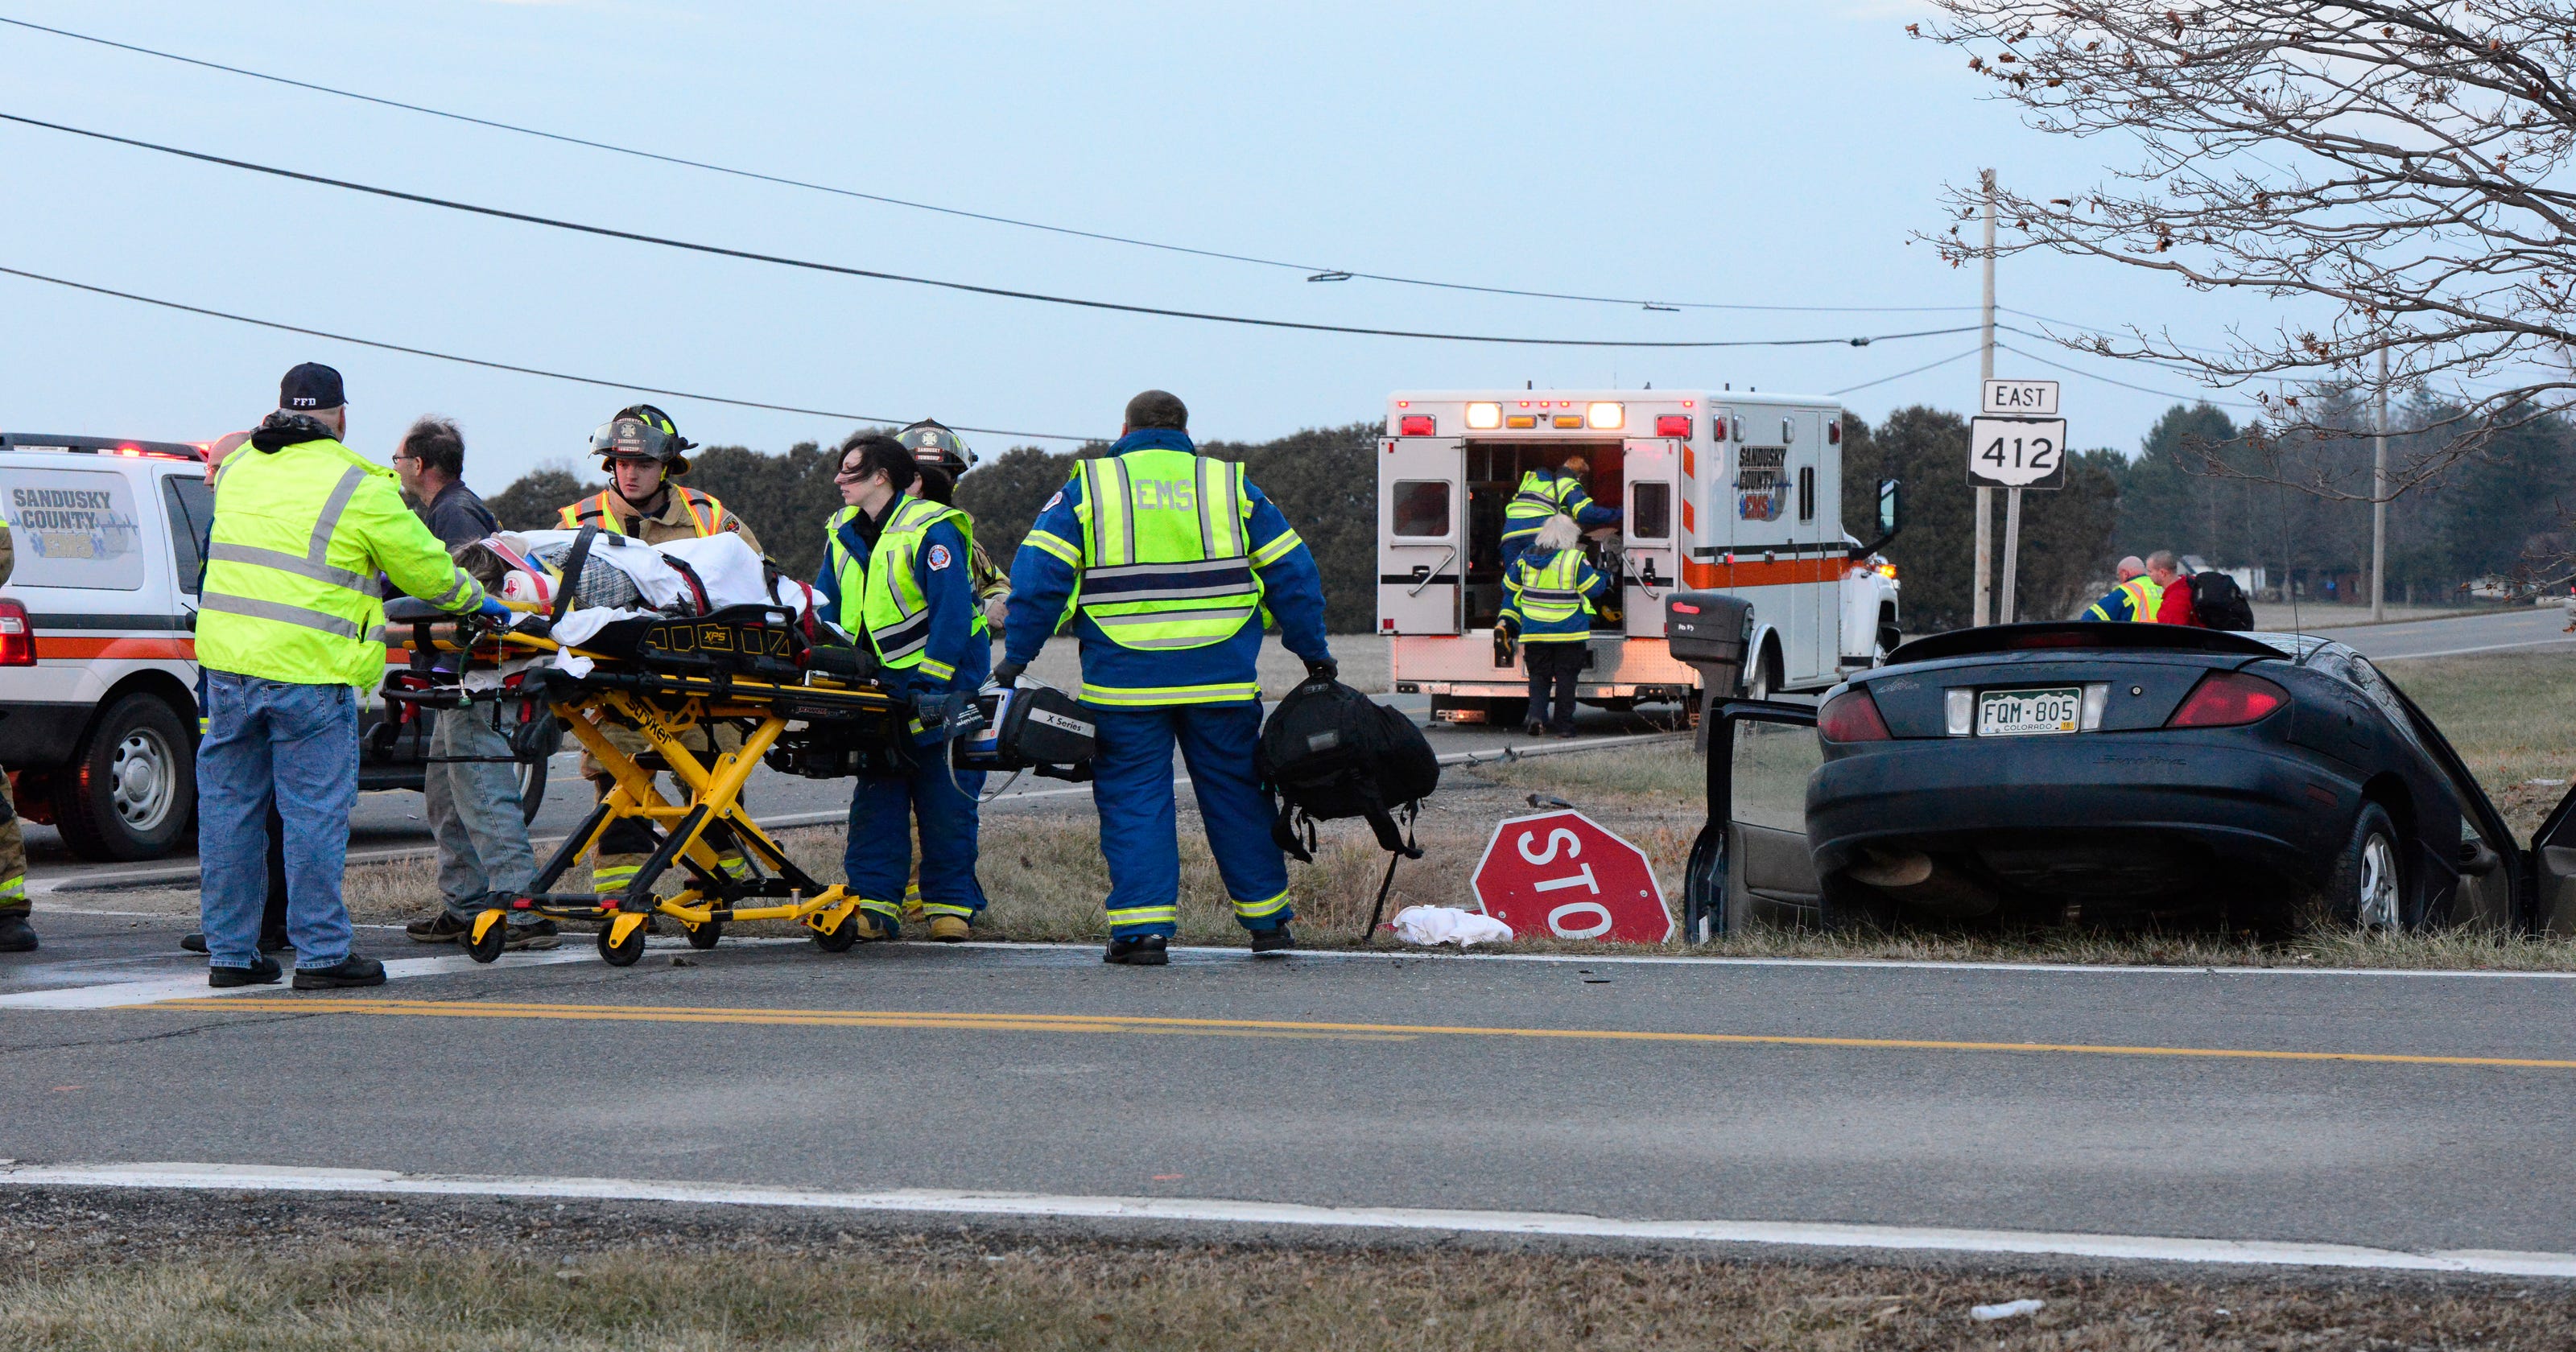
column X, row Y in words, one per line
column 441, row 928
column 1145, row 950
column 349, row 971
column 1275, row 939
column 261, row 972
column 16, row 936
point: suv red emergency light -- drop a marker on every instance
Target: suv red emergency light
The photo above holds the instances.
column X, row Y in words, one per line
column 1673, row 425
column 17, row 636
column 1414, row 425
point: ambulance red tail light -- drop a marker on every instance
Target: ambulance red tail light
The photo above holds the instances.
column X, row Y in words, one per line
column 1673, row 425
column 1717, row 428
column 1834, row 433
column 17, row 636
column 1414, row 425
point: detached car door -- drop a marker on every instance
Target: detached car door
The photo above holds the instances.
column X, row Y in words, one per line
column 1751, row 864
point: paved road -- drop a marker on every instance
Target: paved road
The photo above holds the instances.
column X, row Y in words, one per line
column 2540, row 628
column 2173, row 1103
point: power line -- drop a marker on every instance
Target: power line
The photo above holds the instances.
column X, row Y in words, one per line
column 1317, row 272
column 506, row 366
column 1963, row 356
column 2166, row 394
column 971, row 287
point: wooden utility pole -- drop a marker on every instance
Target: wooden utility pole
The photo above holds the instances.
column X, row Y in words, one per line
column 2379, row 499
column 1979, row 611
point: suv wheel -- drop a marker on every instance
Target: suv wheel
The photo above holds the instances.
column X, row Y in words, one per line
column 131, row 786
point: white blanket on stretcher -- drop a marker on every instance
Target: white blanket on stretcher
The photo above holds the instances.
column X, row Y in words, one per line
column 731, row 573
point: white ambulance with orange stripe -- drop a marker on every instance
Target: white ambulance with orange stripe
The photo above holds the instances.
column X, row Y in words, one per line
column 1718, row 490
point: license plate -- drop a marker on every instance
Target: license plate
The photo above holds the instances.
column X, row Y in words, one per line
column 2023, row 713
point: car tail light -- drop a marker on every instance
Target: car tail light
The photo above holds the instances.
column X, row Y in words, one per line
column 1414, row 425
column 2227, row 699
column 1851, row 716
column 1673, row 425
column 17, row 636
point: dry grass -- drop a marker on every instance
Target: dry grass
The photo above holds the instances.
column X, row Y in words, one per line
column 2512, row 716
column 820, row 1291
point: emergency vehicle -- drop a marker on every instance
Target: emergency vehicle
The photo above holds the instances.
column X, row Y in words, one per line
column 98, row 652
column 1718, row 490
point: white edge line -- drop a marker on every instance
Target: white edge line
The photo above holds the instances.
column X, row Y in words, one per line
column 1813, row 1234
column 2481, row 648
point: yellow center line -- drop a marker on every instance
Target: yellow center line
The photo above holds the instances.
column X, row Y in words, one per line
column 1003, row 1022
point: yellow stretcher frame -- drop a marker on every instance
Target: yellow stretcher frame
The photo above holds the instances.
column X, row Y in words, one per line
column 662, row 708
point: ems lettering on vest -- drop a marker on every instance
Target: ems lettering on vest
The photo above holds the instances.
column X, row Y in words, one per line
column 1179, row 495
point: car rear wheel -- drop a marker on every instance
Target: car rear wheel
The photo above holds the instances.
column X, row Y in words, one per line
column 131, row 786
column 2367, row 889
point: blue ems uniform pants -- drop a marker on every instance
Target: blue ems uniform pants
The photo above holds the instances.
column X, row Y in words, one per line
column 878, row 859
column 1132, row 789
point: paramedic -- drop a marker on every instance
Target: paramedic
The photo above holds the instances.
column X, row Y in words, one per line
column 642, row 451
column 895, row 568
column 943, row 458
column 289, row 630
column 2136, row 598
column 1168, row 564
column 1547, row 605
column 471, row 783
column 1544, row 493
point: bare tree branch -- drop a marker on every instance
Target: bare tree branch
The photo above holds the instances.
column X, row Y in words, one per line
column 2402, row 164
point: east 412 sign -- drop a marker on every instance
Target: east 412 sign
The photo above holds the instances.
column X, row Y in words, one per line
column 2017, row 452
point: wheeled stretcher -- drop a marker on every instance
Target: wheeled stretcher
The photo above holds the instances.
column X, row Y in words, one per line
column 805, row 705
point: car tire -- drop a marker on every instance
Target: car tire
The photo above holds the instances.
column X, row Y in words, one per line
column 2368, row 887
column 1847, row 907
column 129, row 791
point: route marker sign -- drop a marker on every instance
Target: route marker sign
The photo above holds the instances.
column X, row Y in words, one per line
column 1564, row 874
column 2019, row 399
column 2017, row 452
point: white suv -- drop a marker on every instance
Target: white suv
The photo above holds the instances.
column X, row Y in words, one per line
column 98, row 704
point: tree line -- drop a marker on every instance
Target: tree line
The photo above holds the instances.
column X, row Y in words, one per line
column 2201, row 484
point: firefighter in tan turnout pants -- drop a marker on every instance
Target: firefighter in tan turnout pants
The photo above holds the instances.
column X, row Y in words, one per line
column 15, row 935
column 642, row 453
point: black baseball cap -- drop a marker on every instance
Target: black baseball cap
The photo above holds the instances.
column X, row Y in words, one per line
column 311, row 387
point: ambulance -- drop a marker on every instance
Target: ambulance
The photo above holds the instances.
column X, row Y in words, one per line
column 1717, row 491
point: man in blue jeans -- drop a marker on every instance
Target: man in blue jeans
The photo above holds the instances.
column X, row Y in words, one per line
column 289, row 629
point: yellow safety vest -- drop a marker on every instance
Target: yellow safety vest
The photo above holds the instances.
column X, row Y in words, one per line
column 1166, row 551
column 2145, row 598
column 299, row 535
column 1535, row 501
column 882, row 594
column 1550, row 594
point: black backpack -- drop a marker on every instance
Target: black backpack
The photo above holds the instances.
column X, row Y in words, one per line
column 1330, row 752
column 2218, row 603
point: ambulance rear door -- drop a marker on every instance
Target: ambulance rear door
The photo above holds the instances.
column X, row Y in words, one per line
column 1649, row 525
column 1422, row 541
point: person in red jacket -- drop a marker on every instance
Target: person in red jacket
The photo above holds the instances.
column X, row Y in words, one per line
column 2176, row 606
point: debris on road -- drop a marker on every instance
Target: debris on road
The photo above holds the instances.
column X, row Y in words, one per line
column 1449, row 925
column 2011, row 1309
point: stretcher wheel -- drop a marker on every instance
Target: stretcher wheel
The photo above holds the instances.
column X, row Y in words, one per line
column 624, row 954
column 704, row 936
column 841, row 937
column 488, row 934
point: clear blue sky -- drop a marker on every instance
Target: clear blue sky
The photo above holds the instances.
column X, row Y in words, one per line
column 1755, row 153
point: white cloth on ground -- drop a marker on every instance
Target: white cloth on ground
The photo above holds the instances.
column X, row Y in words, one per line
column 1449, row 925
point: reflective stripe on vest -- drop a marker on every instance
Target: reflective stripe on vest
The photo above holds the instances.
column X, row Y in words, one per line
column 1535, row 501
column 1551, row 593
column 892, row 606
column 1165, row 562
column 2145, row 597
column 705, row 513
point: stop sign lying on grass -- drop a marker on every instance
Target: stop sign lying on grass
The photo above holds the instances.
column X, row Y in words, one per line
column 1561, row 873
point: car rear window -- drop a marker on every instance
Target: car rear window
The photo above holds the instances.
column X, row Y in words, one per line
column 72, row 528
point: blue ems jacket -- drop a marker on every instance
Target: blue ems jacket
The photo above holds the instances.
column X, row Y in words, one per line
column 953, row 607
column 1587, row 513
column 1044, row 588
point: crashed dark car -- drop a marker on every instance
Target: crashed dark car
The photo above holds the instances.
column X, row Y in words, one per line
column 2111, row 774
